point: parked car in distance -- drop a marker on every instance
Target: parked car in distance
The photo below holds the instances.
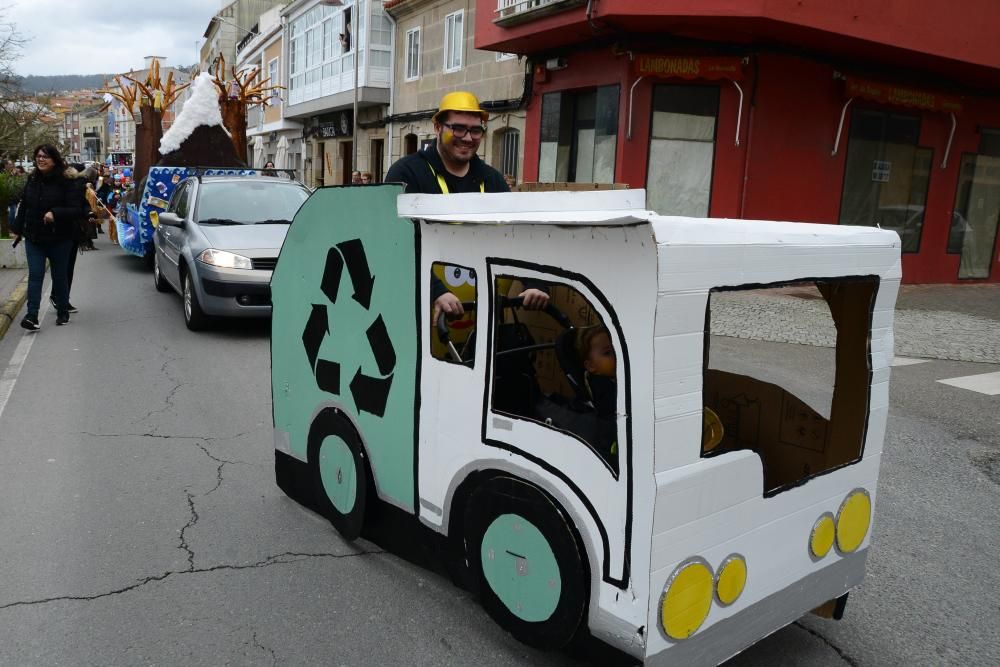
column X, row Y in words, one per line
column 218, row 241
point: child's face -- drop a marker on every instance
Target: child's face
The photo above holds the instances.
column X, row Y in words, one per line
column 601, row 356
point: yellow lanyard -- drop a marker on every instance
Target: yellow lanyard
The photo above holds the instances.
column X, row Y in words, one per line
column 444, row 186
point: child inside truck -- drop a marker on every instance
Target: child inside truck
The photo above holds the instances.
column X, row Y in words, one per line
column 597, row 356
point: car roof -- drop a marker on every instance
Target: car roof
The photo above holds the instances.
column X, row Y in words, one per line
column 215, row 178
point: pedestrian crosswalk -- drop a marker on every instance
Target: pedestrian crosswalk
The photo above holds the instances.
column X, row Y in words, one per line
column 983, row 383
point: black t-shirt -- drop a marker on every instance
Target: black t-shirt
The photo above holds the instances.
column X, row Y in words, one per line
column 418, row 172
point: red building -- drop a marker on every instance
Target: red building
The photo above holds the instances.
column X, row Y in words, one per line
column 857, row 112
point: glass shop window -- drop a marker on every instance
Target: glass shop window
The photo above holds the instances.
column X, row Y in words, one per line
column 887, row 175
column 788, row 375
column 976, row 213
column 453, row 338
column 682, row 149
column 579, row 136
column 557, row 367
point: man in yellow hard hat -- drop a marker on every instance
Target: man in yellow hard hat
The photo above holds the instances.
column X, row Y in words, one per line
column 449, row 165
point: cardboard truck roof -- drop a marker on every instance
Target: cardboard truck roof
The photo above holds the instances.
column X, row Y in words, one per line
column 628, row 207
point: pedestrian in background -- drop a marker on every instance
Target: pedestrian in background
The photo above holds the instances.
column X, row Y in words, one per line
column 366, row 178
column 355, row 178
column 51, row 206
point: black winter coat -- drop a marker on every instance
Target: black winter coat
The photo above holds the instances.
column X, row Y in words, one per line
column 63, row 195
column 418, row 172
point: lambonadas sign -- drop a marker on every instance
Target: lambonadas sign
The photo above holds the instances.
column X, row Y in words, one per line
column 903, row 96
column 689, row 67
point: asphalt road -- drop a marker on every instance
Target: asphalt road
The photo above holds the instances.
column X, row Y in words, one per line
column 141, row 524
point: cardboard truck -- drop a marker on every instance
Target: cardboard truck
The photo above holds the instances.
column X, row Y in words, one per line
column 677, row 511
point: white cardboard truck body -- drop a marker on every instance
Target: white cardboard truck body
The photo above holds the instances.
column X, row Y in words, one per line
column 663, row 503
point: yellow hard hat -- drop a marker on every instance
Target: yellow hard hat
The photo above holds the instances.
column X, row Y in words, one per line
column 461, row 100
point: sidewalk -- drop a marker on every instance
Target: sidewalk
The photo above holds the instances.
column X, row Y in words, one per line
column 954, row 322
column 12, row 295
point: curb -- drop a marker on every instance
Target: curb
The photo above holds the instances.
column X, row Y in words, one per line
column 10, row 309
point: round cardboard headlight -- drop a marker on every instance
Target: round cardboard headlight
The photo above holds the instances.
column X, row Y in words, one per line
column 853, row 520
column 731, row 579
column 823, row 534
column 687, row 598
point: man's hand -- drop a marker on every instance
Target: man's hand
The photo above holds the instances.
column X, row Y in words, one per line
column 48, row 218
column 449, row 304
column 17, row 239
column 534, row 299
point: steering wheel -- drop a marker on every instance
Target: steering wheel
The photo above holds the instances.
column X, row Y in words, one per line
column 444, row 335
column 518, row 302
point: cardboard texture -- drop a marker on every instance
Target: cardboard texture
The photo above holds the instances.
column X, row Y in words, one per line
column 359, row 358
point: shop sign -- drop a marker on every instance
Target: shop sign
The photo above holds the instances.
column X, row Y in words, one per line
column 689, row 67
column 885, row 93
column 341, row 127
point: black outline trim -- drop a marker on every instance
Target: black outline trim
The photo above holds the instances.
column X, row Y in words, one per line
column 569, row 275
column 417, row 377
column 868, row 389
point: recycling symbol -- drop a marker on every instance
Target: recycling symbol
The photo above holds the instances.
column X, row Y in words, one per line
column 370, row 393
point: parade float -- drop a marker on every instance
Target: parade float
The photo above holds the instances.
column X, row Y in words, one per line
column 207, row 137
column 674, row 509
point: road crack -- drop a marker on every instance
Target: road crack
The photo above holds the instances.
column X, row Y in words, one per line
column 843, row 655
column 286, row 558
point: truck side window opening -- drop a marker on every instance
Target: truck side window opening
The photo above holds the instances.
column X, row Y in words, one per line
column 798, row 396
column 556, row 371
column 453, row 339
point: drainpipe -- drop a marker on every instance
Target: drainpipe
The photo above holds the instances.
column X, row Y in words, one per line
column 392, row 97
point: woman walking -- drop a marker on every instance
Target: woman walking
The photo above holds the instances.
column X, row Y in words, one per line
column 51, row 206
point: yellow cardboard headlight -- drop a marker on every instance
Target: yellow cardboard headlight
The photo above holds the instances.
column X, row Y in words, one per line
column 853, row 520
column 822, row 536
column 687, row 598
column 731, row 579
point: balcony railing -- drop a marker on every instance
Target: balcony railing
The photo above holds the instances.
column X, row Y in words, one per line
column 513, row 12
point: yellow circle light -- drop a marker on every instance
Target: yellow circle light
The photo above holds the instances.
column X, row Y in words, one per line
column 731, row 579
column 687, row 599
column 823, row 533
column 853, row 520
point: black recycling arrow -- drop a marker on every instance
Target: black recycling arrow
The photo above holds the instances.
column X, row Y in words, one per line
column 316, row 329
column 381, row 344
column 331, row 274
column 357, row 265
column 328, row 376
column 370, row 394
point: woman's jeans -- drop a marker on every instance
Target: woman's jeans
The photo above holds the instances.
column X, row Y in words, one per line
column 58, row 254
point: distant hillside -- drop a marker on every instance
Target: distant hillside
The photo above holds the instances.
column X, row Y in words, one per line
column 67, row 82
column 64, row 82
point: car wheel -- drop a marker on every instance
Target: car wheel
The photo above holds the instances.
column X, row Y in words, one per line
column 194, row 317
column 158, row 280
column 525, row 557
column 339, row 472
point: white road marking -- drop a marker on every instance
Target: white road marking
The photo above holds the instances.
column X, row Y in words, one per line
column 984, row 383
column 13, row 370
column 908, row 361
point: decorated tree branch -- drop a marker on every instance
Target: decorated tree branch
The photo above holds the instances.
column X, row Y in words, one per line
column 146, row 102
column 244, row 89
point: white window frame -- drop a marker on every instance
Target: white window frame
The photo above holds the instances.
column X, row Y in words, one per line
column 411, row 34
column 274, row 80
column 452, row 19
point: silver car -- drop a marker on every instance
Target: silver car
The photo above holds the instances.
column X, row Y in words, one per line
column 218, row 241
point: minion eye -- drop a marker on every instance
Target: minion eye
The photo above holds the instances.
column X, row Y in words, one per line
column 456, row 276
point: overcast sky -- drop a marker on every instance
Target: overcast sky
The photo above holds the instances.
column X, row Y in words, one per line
column 94, row 37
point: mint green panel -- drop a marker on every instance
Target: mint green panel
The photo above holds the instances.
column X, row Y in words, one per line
column 521, row 568
column 344, row 327
column 339, row 474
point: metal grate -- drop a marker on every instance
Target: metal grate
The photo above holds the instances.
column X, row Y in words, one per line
column 508, row 152
column 265, row 263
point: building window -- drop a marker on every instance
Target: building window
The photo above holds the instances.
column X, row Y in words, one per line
column 454, row 35
column 977, row 208
column 272, row 74
column 409, row 144
column 412, row 54
column 506, row 147
column 682, row 149
column 377, row 160
column 887, row 175
column 579, row 136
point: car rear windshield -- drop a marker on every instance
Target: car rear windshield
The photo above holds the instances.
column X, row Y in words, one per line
column 250, row 202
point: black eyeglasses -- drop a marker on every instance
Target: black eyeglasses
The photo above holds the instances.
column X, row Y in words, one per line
column 459, row 130
column 42, row 156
